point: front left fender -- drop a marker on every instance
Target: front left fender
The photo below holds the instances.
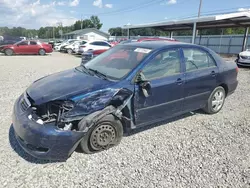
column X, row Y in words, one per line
column 95, row 101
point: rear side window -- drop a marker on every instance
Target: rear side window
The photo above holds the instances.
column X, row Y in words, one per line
column 197, row 59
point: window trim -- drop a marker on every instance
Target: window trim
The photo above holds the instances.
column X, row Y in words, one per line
column 202, row 50
column 162, row 51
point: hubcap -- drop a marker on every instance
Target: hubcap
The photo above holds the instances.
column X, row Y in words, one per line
column 9, row 52
column 42, row 52
column 102, row 137
column 218, row 100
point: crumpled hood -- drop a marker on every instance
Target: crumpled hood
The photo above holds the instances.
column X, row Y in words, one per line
column 64, row 85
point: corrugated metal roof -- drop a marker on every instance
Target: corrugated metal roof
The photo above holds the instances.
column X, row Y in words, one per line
column 237, row 19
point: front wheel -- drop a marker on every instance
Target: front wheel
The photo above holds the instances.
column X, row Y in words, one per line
column 69, row 51
column 42, row 52
column 8, row 52
column 106, row 134
column 215, row 101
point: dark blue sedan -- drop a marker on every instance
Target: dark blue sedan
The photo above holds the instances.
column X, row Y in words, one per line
column 126, row 87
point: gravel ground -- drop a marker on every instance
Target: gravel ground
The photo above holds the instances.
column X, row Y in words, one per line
column 195, row 150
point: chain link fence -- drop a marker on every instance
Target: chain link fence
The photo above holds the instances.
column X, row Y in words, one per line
column 222, row 44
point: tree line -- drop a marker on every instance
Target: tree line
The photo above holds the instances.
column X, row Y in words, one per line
column 51, row 32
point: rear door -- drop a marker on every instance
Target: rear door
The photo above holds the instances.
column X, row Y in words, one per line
column 200, row 76
column 33, row 47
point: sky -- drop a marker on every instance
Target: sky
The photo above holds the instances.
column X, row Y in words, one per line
column 33, row 14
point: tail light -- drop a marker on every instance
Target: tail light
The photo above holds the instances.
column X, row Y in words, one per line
column 237, row 69
column 82, row 46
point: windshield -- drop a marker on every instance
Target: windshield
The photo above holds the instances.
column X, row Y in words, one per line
column 117, row 62
column 18, row 42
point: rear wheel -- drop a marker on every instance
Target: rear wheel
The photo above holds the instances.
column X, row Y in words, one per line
column 42, row 52
column 106, row 134
column 215, row 101
column 8, row 52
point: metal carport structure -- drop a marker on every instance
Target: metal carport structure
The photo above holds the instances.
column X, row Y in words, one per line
column 231, row 20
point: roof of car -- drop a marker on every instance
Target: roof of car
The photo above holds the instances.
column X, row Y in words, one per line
column 158, row 44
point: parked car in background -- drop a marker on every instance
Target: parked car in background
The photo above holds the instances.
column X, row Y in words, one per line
column 113, row 42
column 54, row 42
column 63, row 46
column 155, row 39
column 94, row 45
column 73, row 48
column 64, row 43
column 243, row 58
column 86, row 56
column 127, row 87
column 27, row 47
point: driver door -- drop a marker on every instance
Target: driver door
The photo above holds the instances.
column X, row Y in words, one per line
column 164, row 72
column 22, row 47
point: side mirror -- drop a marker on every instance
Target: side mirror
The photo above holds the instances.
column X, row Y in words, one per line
column 144, row 85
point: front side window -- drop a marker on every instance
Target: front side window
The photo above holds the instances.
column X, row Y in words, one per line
column 164, row 64
column 197, row 59
column 118, row 61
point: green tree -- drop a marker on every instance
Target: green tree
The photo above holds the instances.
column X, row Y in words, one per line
column 96, row 22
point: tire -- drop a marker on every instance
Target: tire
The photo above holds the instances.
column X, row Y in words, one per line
column 8, row 52
column 215, row 101
column 106, row 134
column 42, row 52
column 69, row 51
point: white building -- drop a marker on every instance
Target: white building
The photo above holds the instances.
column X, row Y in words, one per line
column 87, row 34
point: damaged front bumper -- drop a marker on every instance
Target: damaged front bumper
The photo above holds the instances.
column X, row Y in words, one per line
column 44, row 141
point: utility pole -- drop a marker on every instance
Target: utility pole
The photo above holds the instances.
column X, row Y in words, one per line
column 53, row 33
column 81, row 21
column 199, row 12
column 195, row 31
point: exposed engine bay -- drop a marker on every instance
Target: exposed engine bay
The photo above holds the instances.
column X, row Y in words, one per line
column 52, row 112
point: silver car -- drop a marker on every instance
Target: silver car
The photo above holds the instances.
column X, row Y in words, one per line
column 244, row 58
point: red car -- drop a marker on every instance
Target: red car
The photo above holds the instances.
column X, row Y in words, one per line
column 155, row 39
column 26, row 47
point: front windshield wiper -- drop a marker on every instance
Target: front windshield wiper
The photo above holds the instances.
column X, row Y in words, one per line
column 86, row 70
column 98, row 73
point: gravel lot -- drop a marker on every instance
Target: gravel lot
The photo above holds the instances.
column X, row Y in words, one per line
column 195, row 150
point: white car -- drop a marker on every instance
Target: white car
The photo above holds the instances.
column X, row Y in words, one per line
column 244, row 58
column 93, row 45
column 73, row 48
column 64, row 43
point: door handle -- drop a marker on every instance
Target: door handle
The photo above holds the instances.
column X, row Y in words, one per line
column 213, row 74
column 179, row 81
